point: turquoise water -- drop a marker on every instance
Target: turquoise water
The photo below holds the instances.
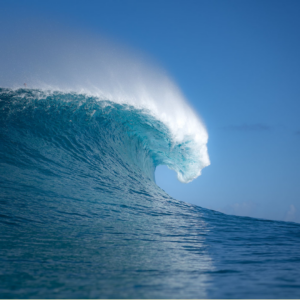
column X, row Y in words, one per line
column 82, row 217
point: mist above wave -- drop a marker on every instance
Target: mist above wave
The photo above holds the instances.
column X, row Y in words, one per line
column 66, row 62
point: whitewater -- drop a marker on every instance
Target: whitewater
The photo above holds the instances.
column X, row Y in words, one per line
column 83, row 127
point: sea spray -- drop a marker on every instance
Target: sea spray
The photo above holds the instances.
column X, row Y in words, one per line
column 71, row 63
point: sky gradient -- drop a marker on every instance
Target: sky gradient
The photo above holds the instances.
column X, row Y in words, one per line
column 237, row 63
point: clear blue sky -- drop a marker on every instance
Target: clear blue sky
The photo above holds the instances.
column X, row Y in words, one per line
column 238, row 64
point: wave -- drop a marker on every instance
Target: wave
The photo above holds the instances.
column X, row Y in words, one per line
column 137, row 134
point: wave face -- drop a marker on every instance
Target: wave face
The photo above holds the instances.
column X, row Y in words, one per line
column 82, row 217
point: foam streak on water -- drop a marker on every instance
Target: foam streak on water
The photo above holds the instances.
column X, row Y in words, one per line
column 82, row 217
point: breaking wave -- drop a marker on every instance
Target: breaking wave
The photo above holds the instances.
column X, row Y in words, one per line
column 140, row 136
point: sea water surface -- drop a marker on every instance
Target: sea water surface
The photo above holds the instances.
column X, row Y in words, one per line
column 82, row 217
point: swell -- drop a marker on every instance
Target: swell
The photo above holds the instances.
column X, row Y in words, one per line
column 81, row 216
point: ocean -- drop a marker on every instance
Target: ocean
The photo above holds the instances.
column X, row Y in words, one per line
column 82, row 217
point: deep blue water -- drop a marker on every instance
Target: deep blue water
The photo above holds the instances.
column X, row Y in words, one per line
column 82, row 217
